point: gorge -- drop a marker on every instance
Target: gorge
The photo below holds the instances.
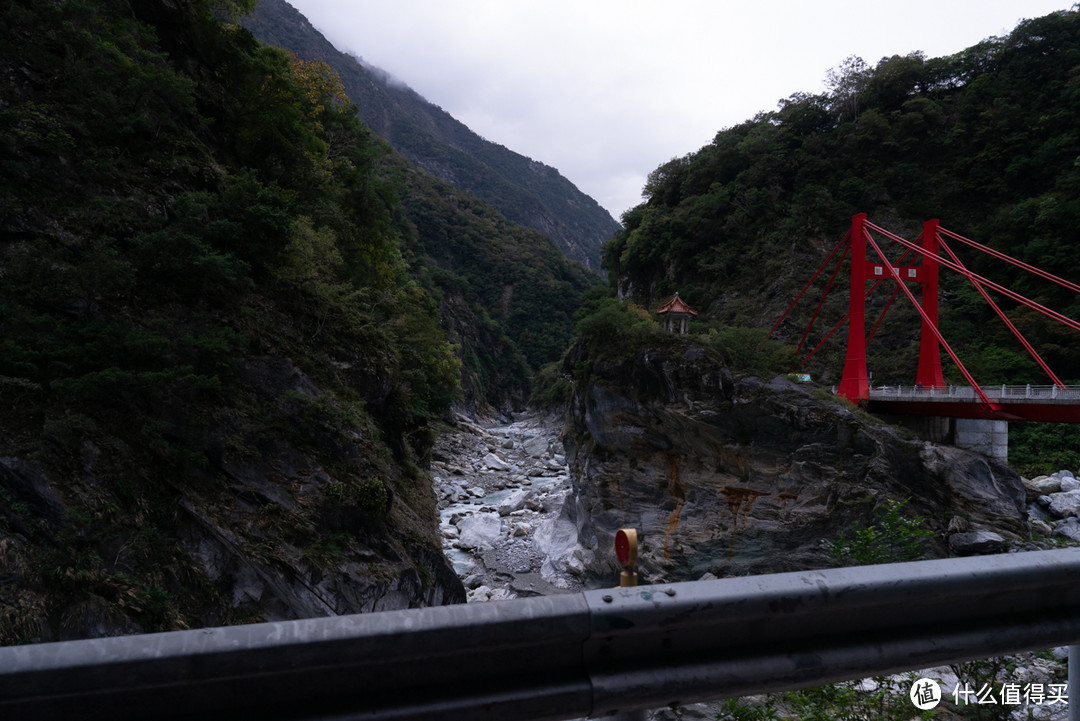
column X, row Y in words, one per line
column 721, row 474
column 247, row 350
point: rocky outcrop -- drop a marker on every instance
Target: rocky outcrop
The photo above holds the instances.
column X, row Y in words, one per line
column 1054, row 504
column 737, row 475
column 286, row 518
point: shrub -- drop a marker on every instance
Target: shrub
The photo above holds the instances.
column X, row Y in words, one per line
column 751, row 350
column 891, row 538
column 552, row 387
column 612, row 328
column 372, row 498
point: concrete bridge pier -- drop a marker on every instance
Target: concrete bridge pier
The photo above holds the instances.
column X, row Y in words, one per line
column 988, row 437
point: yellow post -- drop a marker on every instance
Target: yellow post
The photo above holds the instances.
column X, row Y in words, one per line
column 626, row 550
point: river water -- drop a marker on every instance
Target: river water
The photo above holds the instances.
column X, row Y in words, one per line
column 500, row 486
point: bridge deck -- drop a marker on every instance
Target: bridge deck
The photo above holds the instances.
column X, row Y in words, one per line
column 1010, row 403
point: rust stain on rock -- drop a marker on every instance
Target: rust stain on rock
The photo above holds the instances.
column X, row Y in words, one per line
column 675, row 487
column 740, row 500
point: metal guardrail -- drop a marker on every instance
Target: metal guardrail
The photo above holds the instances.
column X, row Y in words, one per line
column 1007, row 393
column 589, row 654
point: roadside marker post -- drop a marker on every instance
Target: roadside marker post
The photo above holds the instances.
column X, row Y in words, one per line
column 626, row 551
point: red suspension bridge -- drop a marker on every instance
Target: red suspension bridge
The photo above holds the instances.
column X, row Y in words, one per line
column 920, row 265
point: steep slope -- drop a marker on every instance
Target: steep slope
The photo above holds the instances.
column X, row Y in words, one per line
column 506, row 295
column 525, row 191
column 218, row 380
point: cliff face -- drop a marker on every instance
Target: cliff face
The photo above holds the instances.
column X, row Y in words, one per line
column 217, row 378
column 273, row 525
column 739, row 476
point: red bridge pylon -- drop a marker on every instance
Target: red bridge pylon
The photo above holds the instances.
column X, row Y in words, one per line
column 855, row 381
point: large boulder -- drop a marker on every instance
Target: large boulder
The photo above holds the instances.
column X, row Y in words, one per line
column 735, row 476
column 1041, row 486
column 974, row 543
column 494, row 463
column 481, row 530
column 516, row 501
column 1064, row 504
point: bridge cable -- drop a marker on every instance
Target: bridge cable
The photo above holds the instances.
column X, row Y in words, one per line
column 1049, row 313
column 847, row 316
column 896, row 292
column 941, row 339
column 1013, row 261
column 1001, row 314
column 842, row 243
column 821, row 302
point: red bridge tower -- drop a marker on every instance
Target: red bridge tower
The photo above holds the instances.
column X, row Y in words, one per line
column 855, row 382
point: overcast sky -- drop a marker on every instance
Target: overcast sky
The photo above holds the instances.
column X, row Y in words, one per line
column 607, row 90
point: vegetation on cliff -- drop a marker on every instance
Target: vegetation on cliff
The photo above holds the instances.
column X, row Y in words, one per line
column 984, row 140
column 218, row 376
column 506, row 296
column 505, row 292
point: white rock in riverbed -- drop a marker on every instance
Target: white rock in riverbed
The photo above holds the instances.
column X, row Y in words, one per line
column 1044, row 485
column 481, row 530
column 495, row 463
column 1068, row 528
column 503, row 545
column 516, row 501
column 537, row 446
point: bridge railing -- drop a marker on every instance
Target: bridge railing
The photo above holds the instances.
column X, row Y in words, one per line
column 595, row 653
column 1008, row 393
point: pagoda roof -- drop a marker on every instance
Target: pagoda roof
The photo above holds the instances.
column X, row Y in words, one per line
column 676, row 305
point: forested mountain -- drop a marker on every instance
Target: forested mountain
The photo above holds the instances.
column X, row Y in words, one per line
column 225, row 338
column 524, row 190
column 506, row 296
column 986, row 140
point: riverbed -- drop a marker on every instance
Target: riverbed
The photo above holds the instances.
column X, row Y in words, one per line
column 500, row 485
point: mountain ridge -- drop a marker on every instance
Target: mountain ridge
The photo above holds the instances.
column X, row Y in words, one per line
column 524, row 190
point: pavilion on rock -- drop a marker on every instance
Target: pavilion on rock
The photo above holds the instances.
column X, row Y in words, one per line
column 676, row 314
